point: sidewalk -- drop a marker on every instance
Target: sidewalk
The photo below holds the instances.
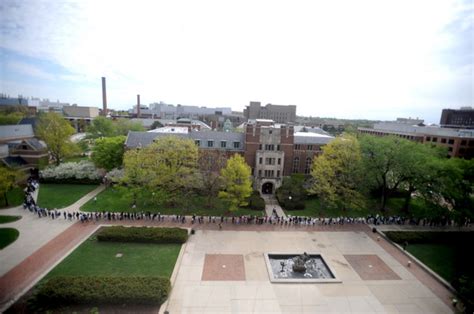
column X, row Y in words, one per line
column 272, row 203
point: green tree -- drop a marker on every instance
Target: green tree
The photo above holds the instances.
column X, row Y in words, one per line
column 337, row 174
column 108, row 152
column 294, row 187
column 101, row 127
column 123, row 126
column 385, row 164
column 10, row 118
column 453, row 187
column 210, row 164
column 55, row 131
column 8, row 180
column 236, row 182
column 167, row 165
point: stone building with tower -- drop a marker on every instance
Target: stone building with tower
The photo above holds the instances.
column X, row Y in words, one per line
column 277, row 113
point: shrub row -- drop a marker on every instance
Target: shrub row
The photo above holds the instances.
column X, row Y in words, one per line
column 65, row 290
column 413, row 237
column 83, row 172
column 142, row 234
column 256, row 202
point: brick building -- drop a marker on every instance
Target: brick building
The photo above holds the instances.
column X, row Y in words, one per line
column 457, row 118
column 271, row 150
column 460, row 143
column 277, row 113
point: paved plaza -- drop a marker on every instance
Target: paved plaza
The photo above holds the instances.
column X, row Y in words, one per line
column 193, row 292
column 224, row 271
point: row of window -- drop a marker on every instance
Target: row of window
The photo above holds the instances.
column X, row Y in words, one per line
column 305, row 147
column 449, row 141
column 269, row 161
column 269, row 147
column 269, row 173
column 210, row 143
column 307, row 166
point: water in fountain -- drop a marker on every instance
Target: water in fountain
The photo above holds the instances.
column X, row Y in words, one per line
column 315, row 266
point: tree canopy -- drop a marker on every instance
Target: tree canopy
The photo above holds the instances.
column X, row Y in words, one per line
column 8, row 180
column 237, row 184
column 105, row 127
column 56, row 132
column 167, row 165
column 108, row 152
column 337, row 174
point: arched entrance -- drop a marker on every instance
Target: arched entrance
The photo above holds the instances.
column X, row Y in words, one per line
column 267, row 188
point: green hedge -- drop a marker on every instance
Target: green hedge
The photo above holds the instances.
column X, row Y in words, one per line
column 256, row 202
column 142, row 234
column 413, row 237
column 64, row 291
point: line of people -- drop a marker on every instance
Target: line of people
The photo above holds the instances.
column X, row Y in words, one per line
column 30, row 204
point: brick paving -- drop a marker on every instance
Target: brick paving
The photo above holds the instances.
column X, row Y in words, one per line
column 228, row 267
column 371, row 267
column 29, row 271
column 24, row 275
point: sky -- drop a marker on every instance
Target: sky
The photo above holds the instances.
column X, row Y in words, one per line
column 360, row 59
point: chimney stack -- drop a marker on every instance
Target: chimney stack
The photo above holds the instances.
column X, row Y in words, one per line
column 104, row 98
column 138, row 106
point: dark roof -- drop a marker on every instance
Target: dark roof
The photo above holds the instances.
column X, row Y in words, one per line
column 36, row 144
column 16, row 131
column 13, row 162
column 141, row 139
column 32, row 121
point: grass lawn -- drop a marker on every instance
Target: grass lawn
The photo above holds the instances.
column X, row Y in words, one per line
column 15, row 197
column 75, row 158
column 8, row 236
column 61, row 195
column 4, row 219
column 93, row 258
column 394, row 207
column 439, row 257
column 119, row 199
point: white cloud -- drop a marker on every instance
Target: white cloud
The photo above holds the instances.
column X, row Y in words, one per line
column 330, row 58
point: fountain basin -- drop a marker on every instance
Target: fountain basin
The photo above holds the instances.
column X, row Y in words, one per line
column 280, row 269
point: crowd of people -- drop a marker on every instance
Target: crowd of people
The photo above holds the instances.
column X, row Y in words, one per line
column 274, row 219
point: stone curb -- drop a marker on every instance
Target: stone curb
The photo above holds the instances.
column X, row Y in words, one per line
column 177, row 266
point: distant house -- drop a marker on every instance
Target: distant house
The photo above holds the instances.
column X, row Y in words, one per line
column 80, row 116
column 19, row 148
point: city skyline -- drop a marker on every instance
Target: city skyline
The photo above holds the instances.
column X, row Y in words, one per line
column 374, row 60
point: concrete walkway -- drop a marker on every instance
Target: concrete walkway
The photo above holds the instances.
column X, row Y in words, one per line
column 271, row 203
column 35, row 231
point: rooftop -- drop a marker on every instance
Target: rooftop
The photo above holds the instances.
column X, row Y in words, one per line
column 16, row 131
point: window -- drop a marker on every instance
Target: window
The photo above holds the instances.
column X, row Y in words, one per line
column 296, row 164
column 307, row 167
column 451, row 141
column 279, row 161
column 260, row 173
column 269, row 147
column 278, row 147
column 471, row 143
column 450, row 149
column 443, row 140
column 461, row 150
column 269, row 161
column 428, row 139
column 297, row 147
column 310, row 147
column 210, row 143
column 197, row 142
column 270, row 132
column 260, row 147
column 236, row 144
column 435, row 139
column 260, row 160
column 223, row 144
column 463, row 142
column 278, row 173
